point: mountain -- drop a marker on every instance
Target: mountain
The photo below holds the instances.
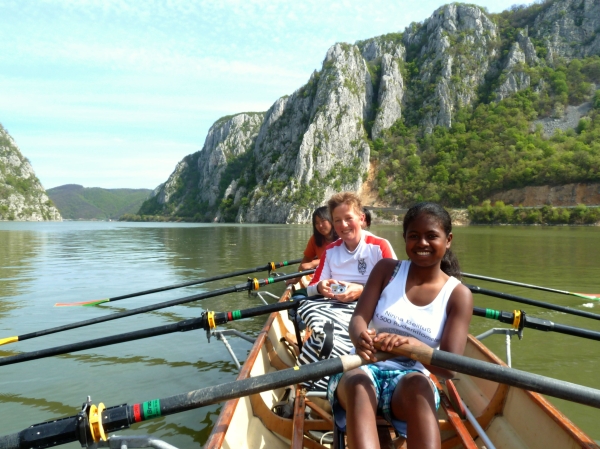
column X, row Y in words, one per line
column 22, row 196
column 87, row 203
column 460, row 107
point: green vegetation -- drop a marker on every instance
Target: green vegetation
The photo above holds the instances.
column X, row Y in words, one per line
column 495, row 146
column 76, row 202
column 499, row 213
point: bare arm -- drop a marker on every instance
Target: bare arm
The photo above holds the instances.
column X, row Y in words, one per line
column 361, row 336
column 454, row 336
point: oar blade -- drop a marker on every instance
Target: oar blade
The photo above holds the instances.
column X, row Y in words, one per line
column 592, row 296
column 93, row 302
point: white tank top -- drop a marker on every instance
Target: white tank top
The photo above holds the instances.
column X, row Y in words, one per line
column 395, row 314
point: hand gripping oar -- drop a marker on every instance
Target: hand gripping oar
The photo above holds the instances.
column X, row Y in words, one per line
column 208, row 321
column 93, row 423
column 537, row 287
column 532, row 302
column 271, row 266
column 520, row 320
column 252, row 284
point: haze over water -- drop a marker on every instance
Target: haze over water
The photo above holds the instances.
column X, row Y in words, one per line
column 45, row 263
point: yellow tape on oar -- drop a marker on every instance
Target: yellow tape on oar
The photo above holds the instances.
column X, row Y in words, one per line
column 5, row 341
column 517, row 319
column 256, row 284
column 95, row 419
column 210, row 316
column 273, row 268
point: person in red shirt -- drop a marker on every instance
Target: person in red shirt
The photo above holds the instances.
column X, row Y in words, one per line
column 323, row 235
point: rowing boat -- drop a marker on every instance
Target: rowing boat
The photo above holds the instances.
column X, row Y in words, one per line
column 474, row 412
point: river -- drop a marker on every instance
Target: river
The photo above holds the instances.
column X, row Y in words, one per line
column 45, row 263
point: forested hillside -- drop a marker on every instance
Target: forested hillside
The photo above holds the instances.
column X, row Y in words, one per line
column 455, row 109
column 76, row 202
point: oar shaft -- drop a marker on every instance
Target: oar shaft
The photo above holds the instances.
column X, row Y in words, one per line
column 120, row 417
column 249, row 285
column 532, row 302
column 269, row 266
column 182, row 326
column 501, row 374
column 536, row 323
column 518, row 284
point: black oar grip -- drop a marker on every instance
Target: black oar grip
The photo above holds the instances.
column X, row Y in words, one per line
column 10, row 441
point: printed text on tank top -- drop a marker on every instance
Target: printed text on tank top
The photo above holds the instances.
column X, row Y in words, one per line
column 396, row 314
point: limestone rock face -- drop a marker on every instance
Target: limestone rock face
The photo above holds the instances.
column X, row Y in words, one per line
column 277, row 166
column 22, row 197
column 197, row 178
column 307, row 140
column 521, row 55
column 455, row 45
column 569, row 29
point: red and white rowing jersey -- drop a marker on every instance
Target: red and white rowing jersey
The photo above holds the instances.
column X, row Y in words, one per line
column 351, row 266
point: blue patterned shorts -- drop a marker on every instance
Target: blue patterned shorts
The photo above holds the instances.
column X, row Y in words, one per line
column 385, row 382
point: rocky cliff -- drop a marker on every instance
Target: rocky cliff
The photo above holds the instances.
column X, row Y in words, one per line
column 279, row 165
column 22, row 196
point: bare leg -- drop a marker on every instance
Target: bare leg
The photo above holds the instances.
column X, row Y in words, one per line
column 356, row 394
column 414, row 402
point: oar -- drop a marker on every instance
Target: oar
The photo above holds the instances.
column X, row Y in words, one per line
column 532, row 302
column 87, row 426
column 208, row 321
column 271, row 266
column 253, row 284
column 519, row 319
column 93, row 423
column 595, row 297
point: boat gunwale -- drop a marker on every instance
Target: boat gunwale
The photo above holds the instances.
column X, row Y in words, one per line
column 221, row 426
column 554, row 413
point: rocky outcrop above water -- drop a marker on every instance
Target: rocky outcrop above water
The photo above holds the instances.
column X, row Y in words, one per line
column 565, row 195
column 22, row 197
column 277, row 166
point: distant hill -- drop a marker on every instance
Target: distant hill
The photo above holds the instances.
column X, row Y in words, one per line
column 77, row 202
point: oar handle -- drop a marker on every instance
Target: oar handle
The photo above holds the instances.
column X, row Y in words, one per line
column 11, row 441
column 501, row 374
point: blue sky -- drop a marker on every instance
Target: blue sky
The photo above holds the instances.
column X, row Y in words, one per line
column 114, row 93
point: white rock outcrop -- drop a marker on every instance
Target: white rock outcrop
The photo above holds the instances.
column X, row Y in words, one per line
column 22, row 197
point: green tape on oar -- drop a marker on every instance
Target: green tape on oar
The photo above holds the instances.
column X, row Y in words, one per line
column 493, row 314
column 151, row 409
column 236, row 314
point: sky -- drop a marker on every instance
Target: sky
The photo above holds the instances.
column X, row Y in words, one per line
column 113, row 93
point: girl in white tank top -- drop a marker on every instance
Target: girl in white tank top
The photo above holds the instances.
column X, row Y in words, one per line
column 417, row 302
column 395, row 314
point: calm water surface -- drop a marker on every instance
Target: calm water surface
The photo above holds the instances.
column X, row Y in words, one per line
column 42, row 263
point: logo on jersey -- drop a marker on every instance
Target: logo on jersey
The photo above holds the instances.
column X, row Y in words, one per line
column 362, row 266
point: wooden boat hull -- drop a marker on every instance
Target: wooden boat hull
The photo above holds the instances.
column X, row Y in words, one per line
column 511, row 417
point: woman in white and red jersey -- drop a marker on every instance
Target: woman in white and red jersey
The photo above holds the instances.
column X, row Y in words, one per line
column 348, row 262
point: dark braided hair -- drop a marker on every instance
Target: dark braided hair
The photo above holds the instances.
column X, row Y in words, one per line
column 323, row 213
column 449, row 264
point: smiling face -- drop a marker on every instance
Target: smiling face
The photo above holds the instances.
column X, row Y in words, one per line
column 426, row 240
column 323, row 226
column 347, row 222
